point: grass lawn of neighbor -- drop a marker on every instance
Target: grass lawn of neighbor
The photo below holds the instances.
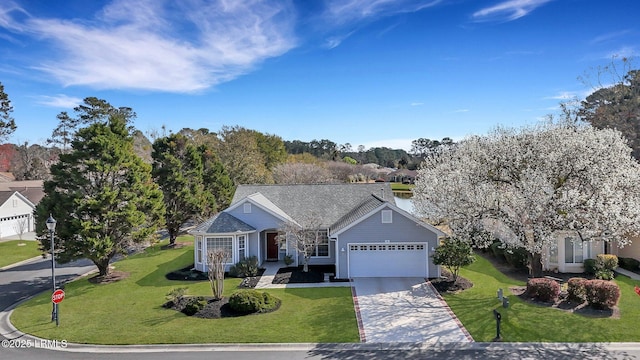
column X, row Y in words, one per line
column 527, row 322
column 130, row 311
column 17, row 250
column 395, row 186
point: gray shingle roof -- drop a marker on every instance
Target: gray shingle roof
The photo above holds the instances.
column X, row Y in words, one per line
column 331, row 202
column 358, row 212
column 223, row 223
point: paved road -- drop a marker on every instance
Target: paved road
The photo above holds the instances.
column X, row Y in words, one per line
column 21, row 282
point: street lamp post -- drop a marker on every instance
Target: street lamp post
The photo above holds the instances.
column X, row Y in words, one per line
column 51, row 225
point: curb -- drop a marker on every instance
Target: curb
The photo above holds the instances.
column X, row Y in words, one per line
column 10, row 266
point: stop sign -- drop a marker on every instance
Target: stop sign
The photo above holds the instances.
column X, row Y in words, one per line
column 57, row 296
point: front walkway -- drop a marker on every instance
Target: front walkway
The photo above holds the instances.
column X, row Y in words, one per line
column 627, row 273
column 270, row 271
column 404, row 310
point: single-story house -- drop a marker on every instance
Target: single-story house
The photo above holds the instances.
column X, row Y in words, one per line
column 364, row 233
column 570, row 252
column 16, row 214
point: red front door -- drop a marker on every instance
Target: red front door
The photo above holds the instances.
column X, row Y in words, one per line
column 272, row 246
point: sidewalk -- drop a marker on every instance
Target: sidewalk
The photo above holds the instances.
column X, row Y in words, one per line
column 627, row 273
column 271, row 269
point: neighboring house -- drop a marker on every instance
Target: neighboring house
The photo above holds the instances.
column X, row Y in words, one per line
column 16, row 214
column 565, row 256
column 18, row 200
column 403, row 176
column 366, row 234
column 569, row 254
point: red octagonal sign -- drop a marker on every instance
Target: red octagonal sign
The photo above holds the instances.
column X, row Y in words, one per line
column 57, row 296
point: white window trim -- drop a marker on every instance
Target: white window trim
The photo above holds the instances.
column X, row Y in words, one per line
column 199, row 249
column 238, row 248
column 574, row 251
column 328, row 248
column 387, row 216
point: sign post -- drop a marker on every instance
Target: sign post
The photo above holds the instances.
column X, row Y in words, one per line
column 56, row 298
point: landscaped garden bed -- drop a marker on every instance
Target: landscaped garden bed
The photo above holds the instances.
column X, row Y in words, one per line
column 296, row 275
column 188, row 273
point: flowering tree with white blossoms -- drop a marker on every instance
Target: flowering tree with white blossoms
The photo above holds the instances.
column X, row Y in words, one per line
column 522, row 185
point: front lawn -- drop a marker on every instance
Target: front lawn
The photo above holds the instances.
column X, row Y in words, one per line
column 130, row 311
column 526, row 322
column 17, row 250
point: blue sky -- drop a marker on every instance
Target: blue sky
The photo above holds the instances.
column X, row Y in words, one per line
column 373, row 73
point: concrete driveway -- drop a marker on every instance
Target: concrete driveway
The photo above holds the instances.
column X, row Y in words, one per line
column 404, row 310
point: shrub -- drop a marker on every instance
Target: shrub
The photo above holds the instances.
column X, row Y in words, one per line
column 543, row 289
column 630, row 264
column 576, row 289
column 245, row 268
column 589, row 266
column 606, row 261
column 193, row 305
column 604, row 274
column 602, row 294
column 518, row 257
column 175, row 294
column 288, row 260
column 248, row 301
column 497, row 249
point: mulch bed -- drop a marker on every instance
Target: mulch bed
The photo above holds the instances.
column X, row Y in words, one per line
column 445, row 283
column 188, row 274
column 216, row 309
column 250, row 282
column 112, row 277
column 563, row 303
column 295, row 275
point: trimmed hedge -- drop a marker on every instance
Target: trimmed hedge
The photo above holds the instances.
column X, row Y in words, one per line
column 607, row 261
column 250, row 301
column 602, row 294
column 576, row 289
column 630, row 264
column 543, row 289
column 590, row 266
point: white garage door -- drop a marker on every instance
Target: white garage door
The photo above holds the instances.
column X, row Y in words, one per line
column 388, row 260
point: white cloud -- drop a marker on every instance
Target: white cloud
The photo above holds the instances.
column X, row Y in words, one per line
column 563, row 95
column 508, row 10
column 339, row 13
column 59, row 101
column 623, row 52
column 609, row 36
column 347, row 11
column 417, row 103
column 461, row 111
column 146, row 45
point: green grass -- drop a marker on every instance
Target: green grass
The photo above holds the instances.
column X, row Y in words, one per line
column 130, row 312
column 17, row 250
column 525, row 322
column 395, row 186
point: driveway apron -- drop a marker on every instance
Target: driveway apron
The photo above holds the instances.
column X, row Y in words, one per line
column 404, row 310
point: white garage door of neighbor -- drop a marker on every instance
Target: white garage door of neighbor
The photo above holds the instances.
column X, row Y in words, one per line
column 388, row 260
